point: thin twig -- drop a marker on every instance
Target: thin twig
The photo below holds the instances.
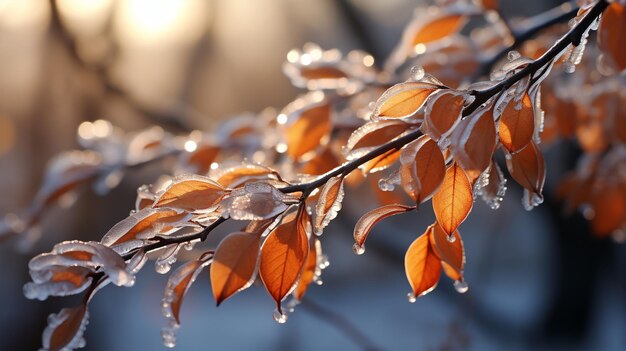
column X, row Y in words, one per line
column 572, row 37
column 543, row 21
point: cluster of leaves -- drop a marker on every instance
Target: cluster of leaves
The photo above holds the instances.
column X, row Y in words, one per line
column 423, row 138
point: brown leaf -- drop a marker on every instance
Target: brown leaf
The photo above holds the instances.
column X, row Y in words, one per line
column 451, row 253
column 611, row 38
column 454, row 200
column 329, row 203
column 443, row 112
column 283, row 256
column 234, row 264
column 422, row 168
column 65, row 329
column 322, row 72
column 609, row 204
column 236, row 176
column 192, row 193
column 179, row 283
column 309, row 127
column 202, row 157
column 527, row 168
column 403, row 100
column 422, row 266
column 369, row 220
column 517, row 124
column 308, row 274
column 147, row 221
column 473, row 143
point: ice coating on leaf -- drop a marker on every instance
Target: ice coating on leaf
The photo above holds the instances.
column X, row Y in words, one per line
column 167, row 258
column 90, row 255
column 237, row 175
column 442, row 113
column 373, row 134
column 57, row 281
column 403, row 100
column 389, row 182
column 65, row 329
column 491, row 186
column 256, row 201
column 369, row 220
column 329, row 204
column 178, row 284
column 191, row 193
column 137, row 262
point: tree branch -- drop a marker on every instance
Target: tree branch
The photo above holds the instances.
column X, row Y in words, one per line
column 543, row 21
column 572, row 37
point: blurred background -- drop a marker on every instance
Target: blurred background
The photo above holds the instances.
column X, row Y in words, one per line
column 537, row 280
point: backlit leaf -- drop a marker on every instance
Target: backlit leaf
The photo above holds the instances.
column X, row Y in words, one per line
column 438, row 28
column 283, row 256
column 454, row 200
column 450, row 250
column 404, row 99
column 611, row 38
column 527, row 168
column 192, row 193
column 307, row 128
column 372, row 135
column 443, row 112
column 422, row 266
column 517, row 124
column 473, row 142
column 365, row 224
column 308, row 274
column 234, row 264
column 422, row 168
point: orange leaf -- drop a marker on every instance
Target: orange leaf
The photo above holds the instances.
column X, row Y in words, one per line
column 373, row 134
column 308, row 274
column 490, row 4
column 66, row 331
column 202, row 157
column 443, row 111
column 517, row 125
column 422, row 265
column 369, row 220
column 283, row 256
column 609, row 205
column 422, row 168
column 141, row 222
column 474, row 141
column 329, row 203
column 191, row 194
column 527, row 168
column 322, row 72
column 438, row 28
column 404, row 99
column 236, row 176
column 322, row 162
column 179, row 283
column 611, row 38
column 234, row 264
column 381, row 162
column 450, row 252
column 454, row 200
column 309, row 127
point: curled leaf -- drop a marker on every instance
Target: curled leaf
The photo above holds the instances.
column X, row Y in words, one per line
column 450, row 250
column 373, row 134
column 65, row 329
column 365, row 224
column 454, row 200
column 234, row 264
column 527, row 168
column 422, row 266
column 443, row 112
column 474, row 141
column 309, row 272
column 422, row 168
column 329, row 203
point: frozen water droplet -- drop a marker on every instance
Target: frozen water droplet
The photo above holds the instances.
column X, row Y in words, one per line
column 358, row 249
column 513, row 55
column 385, row 185
column 588, row 212
column 162, row 267
column 280, row 318
column 411, row 297
column 461, row 286
column 417, row 73
column 451, row 238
